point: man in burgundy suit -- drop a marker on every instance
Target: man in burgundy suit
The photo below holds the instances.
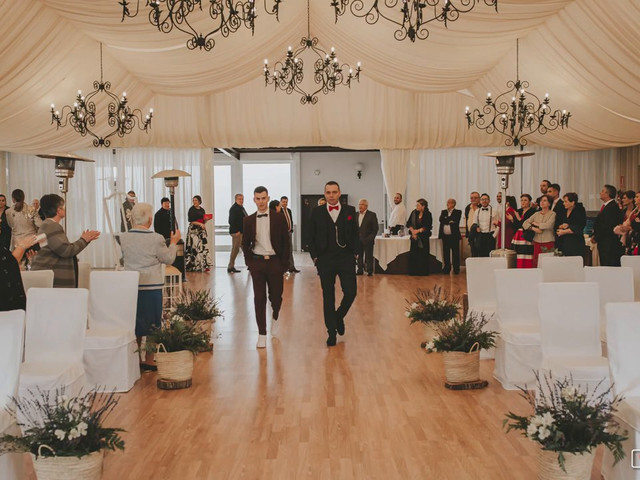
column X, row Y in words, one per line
column 265, row 244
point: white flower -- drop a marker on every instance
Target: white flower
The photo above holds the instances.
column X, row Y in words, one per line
column 60, row 434
column 407, row 314
column 62, row 399
column 82, row 428
column 569, row 393
column 74, row 433
column 543, row 433
column 429, row 346
column 70, row 416
column 430, row 302
column 414, row 306
column 546, row 419
column 531, row 430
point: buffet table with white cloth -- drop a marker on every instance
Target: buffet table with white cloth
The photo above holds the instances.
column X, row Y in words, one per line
column 388, row 252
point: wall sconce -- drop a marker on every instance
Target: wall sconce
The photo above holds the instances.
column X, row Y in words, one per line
column 359, row 168
column 316, row 172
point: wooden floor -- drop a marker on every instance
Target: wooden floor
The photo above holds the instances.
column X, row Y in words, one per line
column 373, row 407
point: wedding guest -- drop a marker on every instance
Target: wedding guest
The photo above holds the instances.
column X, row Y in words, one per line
column 523, row 246
column 542, row 223
column 398, row 215
column 630, row 212
column 59, row 255
column 484, row 226
column 13, row 295
column 367, row 231
column 236, row 217
column 610, row 216
column 125, row 214
column 544, row 186
column 322, row 201
column 449, row 233
column 145, row 251
column 5, row 229
column 557, row 205
column 162, row 219
column 633, row 244
column 570, row 230
column 265, row 244
column 275, row 206
column 469, row 214
column 420, row 224
column 511, row 216
column 23, row 220
column 284, row 202
column 196, row 252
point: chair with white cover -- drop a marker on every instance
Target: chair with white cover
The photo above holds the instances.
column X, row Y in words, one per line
column 11, row 339
column 518, row 347
column 623, row 332
column 110, row 358
column 84, row 272
column 633, row 261
column 37, row 279
column 615, row 285
column 561, row 269
column 570, row 334
column 56, row 323
column 481, row 290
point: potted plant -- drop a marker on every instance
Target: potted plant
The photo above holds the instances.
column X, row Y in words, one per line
column 460, row 342
column 65, row 436
column 175, row 344
column 569, row 423
column 430, row 307
column 199, row 307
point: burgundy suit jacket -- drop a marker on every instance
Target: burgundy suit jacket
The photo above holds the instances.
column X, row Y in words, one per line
column 279, row 232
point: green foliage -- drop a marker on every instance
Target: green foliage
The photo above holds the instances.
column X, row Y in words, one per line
column 197, row 305
column 69, row 427
column 461, row 334
column 567, row 418
column 435, row 305
column 176, row 335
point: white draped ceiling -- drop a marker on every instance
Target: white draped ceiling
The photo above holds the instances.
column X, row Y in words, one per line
column 584, row 53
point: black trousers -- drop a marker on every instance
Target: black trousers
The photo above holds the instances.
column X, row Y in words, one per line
column 485, row 243
column 365, row 256
column 451, row 253
column 343, row 267
column 610, row 251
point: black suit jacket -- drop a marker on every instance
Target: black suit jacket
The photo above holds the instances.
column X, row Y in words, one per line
column 236, row 216
column 290, row 219
column 322, row 231
column 369, row 228
column 561, row 212
column 453, row 221
column 279, row 239
column 607, row 219
column 162, row 223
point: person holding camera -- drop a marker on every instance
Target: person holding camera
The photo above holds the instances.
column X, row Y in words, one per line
column 542, row 224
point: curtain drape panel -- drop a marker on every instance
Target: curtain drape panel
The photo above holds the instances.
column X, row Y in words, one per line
column 395, row 167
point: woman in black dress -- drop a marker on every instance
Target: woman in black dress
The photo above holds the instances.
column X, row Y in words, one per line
column 196, row 252
column 13, row 296
column 570, row 231
column 420, row 223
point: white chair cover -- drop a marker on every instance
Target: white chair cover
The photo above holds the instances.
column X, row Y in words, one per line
column 110, row 358
column 623, row 333
column 561, row 269
column 570, row 333
column 84, row 271
column 481, row 290
column 634, row 263
column 55, row 329
column 11, row 340
column 37, row 279
column 518, row 349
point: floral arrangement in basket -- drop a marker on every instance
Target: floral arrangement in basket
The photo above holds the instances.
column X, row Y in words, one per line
column 55, row 425
column 176, row 335
column 433, row 306
column 463, row 334
column 196, row 305
column 567, row 419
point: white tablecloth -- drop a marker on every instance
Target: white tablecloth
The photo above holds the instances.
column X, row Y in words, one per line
column 385, row 250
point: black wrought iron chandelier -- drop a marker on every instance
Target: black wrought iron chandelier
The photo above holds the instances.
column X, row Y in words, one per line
column 82, row 115
column 410, row 16
column 517, row 113
column 228, row 17
column 328, row 73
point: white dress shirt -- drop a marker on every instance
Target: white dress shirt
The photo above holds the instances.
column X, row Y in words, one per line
column 398, row 215
column 361, row 217
column 484, row 218
column 263, row 235
column 333, row 212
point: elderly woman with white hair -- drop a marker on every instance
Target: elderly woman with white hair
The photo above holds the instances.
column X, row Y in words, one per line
column 145, row 251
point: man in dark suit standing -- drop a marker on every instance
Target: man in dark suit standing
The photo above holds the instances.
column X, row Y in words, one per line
column 265, row 244
column 449, row 233
column 558, row 205
column 333, row 246
column 236, row 217
column 286, row 211
column 367, row 231
column 162, row 219
column 609, row 247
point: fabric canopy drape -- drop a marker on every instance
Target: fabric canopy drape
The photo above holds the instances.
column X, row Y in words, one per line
column 395, row 166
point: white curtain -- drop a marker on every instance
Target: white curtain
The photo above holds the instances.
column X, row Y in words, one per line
column 395, row 166
column 129, row 169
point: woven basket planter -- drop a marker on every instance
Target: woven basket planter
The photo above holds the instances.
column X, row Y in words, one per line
column 578, row 466
column 88, row 467
column 207, row 327
column 461, row 366
column 174, row 366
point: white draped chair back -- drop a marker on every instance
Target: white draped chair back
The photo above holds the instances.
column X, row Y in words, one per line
column 11, row 341
column 561, row 269
column 517, row 295
column 37, row 279
column 634, row 263
column 113, row 300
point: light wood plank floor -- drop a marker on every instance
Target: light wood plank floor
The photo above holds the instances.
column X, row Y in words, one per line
column 373, row 407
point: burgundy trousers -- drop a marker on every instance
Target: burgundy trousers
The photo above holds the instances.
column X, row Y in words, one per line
column 266, row 273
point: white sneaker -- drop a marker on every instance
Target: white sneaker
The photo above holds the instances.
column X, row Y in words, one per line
column 275, row 327
column 262, row 341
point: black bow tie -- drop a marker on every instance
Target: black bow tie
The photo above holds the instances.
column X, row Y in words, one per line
column 485, row 208
column 263, row 215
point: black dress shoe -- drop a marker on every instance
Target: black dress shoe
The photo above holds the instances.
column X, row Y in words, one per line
column 369, row 274
column 233, row 270
column 294, row 270
column 340, row 326
column 331, row 341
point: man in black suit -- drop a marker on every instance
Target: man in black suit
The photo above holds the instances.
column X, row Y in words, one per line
column 286, row 211
column 609, row 247
column 236, row 217
column 367, row 231
column 544, row 186
column 162, row 219
column 333, row 245
column 558, row 205
column 449, row 233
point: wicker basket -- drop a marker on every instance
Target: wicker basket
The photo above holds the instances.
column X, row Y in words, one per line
column 462, row 367
column 578, row 466
column 174, row 366
column 88, row 467
column 204, row 326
